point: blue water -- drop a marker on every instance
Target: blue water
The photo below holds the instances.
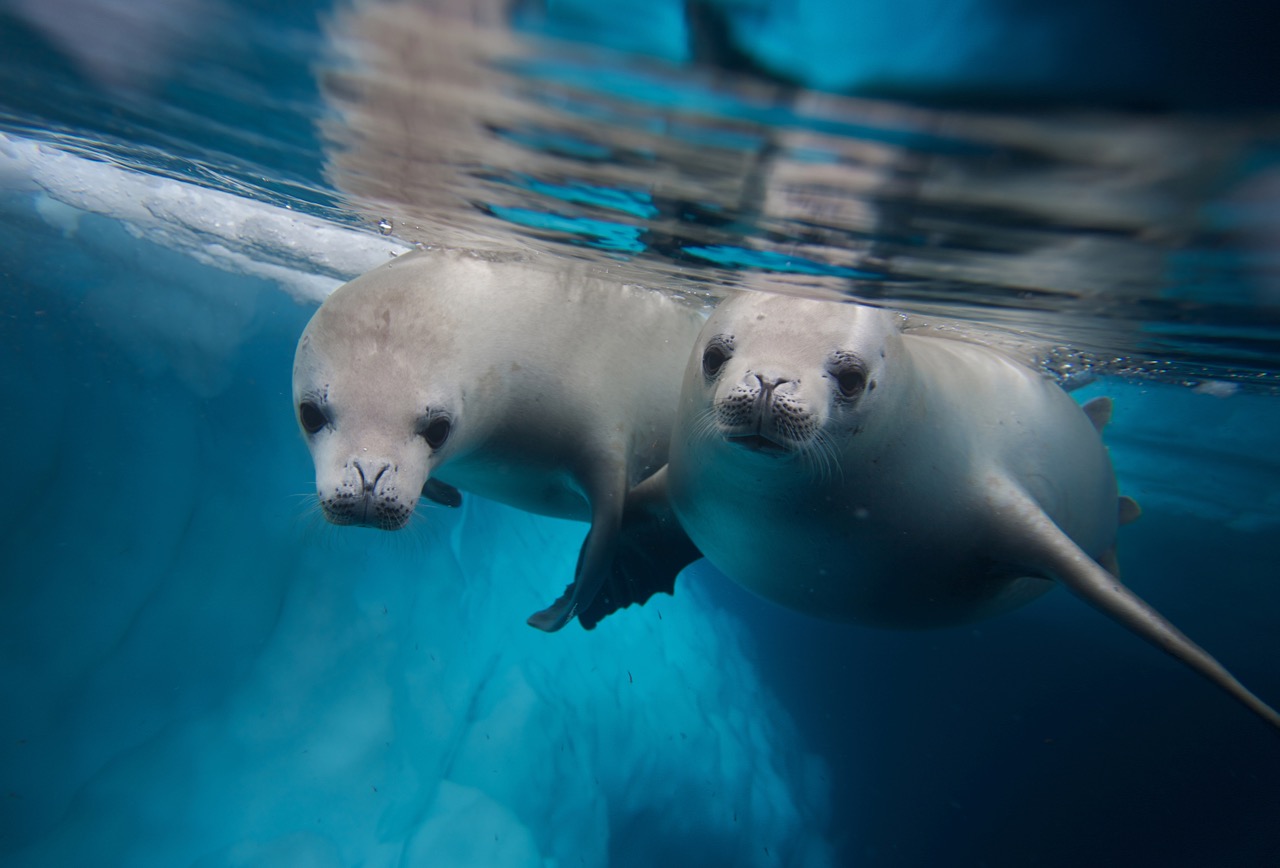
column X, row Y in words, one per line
column 196, row 670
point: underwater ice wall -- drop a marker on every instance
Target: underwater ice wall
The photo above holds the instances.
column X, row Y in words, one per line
column 195, row 669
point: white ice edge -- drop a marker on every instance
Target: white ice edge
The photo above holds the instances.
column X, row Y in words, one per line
column 308, row 257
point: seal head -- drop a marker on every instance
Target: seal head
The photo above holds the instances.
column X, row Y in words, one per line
column 800, row 399
column 547, row 389
column 374, row 424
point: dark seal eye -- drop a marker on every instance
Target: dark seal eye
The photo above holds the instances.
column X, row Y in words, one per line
column 715, row 355
column 850, row 380
column 436, row 431
column 311, row 417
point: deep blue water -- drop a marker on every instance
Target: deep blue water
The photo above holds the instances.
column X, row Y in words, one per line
column 196, row 670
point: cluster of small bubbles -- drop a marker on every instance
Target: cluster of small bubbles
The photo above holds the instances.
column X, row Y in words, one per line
column 1147, row 369
column 1217, row 381
column 1069, row 366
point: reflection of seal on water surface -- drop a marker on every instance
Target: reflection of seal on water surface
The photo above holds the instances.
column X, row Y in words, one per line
column 831, row 463
column 550, row 391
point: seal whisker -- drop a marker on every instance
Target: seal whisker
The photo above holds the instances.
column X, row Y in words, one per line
column 815, row 459
column 413, row 539
column 826, row 453
column 428, row 531
column 311, row 524
column 308, row 504
column 705, row 425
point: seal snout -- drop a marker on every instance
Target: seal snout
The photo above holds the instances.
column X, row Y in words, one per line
column 771, row 389
column 370, row 482
column 368, row 495
column 765, row 413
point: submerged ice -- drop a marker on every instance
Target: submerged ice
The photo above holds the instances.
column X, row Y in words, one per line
column 197, row 670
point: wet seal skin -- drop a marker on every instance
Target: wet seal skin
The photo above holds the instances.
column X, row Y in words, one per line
column 548, row 390
column 834, row 464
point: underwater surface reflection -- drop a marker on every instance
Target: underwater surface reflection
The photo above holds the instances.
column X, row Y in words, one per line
column 197, row 670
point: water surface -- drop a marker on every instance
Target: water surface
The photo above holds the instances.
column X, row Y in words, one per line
column 198, row 671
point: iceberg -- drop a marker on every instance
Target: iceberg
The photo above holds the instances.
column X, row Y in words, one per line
column 198, row 670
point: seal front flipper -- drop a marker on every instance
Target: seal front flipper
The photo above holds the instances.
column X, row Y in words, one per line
column 652, row 550
column 593, row 566
column 594, row 560
column 1042, row 543
column 438, row 492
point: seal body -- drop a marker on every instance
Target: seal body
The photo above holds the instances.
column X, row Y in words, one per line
column 551, row 391
column 831, row 463
column 875, row 504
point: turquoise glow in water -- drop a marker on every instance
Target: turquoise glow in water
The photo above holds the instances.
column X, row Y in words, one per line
column 197, row 670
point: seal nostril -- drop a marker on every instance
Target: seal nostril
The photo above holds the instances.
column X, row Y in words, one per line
column 369, row 483
column 769, row 386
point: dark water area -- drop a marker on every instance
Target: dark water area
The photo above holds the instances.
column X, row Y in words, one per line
column 195, row 669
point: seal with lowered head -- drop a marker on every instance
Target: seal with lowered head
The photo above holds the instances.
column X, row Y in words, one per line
column 548, row 390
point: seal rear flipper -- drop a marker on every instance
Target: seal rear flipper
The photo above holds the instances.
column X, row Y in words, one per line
column 1043, row 543
column 652, row 550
